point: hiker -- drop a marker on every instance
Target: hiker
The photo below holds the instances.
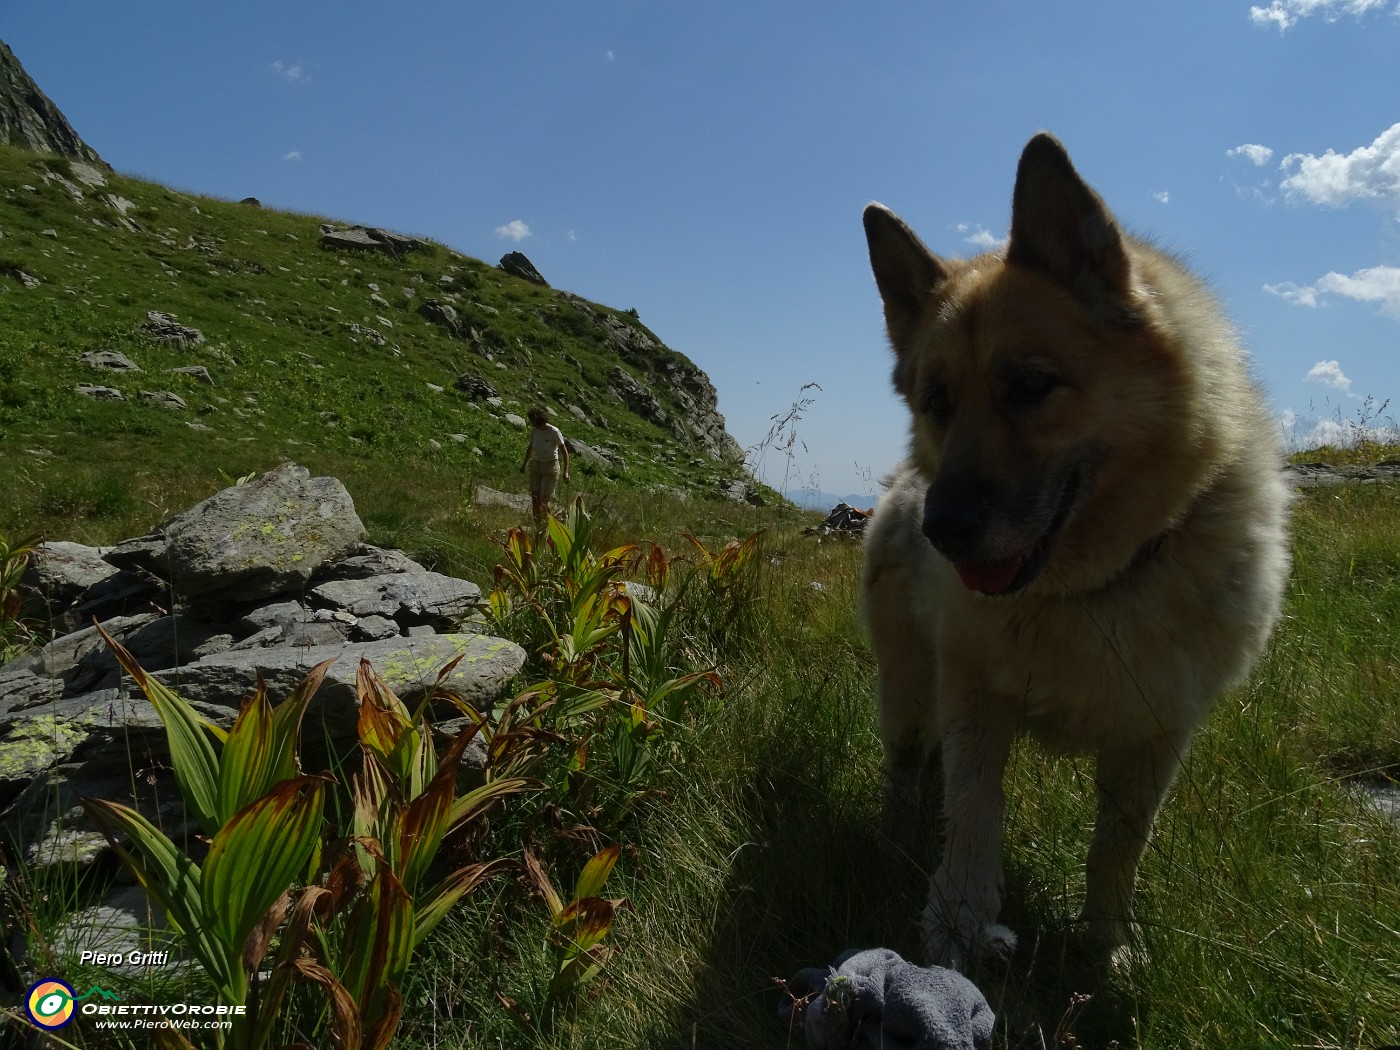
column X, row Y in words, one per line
column 542, row 461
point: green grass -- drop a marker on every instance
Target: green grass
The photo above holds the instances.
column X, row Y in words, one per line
column 1268, row 897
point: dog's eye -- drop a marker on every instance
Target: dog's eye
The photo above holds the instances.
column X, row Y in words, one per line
column 1027, row 389
column 937, row 402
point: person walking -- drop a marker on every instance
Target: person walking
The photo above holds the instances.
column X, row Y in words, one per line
column 542, row 453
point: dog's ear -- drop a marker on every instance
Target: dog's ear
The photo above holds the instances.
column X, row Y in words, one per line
column 1062, row 228
column 906, row 272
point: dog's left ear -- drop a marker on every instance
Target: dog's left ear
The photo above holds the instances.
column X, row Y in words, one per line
column 1062, row 228
column 906, row 272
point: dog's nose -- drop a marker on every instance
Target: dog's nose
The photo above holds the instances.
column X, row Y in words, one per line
column 955, row 518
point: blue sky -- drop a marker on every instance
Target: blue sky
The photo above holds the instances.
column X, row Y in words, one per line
column 707, row 163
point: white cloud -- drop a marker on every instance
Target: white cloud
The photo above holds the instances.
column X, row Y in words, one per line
column 1375, row 284
column 1256, row 154
column 1366, row 173
column 295, row 73
column 1285, row 14
column 292, row 155
column 611, row 56
column 573, row 236
column 515, row 230
column 981, row 237
column 1329, row 373
column 1162, row 198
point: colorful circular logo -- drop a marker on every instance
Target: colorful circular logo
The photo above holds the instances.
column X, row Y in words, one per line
column 50, row 1003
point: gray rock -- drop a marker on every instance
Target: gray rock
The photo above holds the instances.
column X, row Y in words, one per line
column 408, row 666
column 365, row 560
column 517, row 265
column 368, row 238
column 21, row 689
column 164, row 399
column 267, row 636
column 166, row 329
column 110, row 360
column 63, row 654
column 99, row 393
column 441, row 313
column 476, row 388
column 198, row 372
column 263, row 538
column 514, row 420
column 126, row 925
column 410, row 598
column 165, row 642
column 375, row 628
column 61, row 571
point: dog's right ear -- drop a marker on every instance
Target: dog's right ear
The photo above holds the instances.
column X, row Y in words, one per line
column 906, row 272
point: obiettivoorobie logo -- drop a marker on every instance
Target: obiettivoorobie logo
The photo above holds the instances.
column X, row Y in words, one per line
column 52, row 1003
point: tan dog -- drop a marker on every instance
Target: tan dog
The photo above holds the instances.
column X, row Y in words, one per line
column 1087, row 541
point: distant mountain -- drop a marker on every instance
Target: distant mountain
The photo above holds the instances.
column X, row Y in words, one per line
column 809, row 499
column 29, row 119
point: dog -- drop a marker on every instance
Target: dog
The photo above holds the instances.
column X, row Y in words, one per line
column 1087, row 540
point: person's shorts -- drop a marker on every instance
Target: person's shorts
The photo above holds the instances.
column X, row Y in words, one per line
column 544, row 477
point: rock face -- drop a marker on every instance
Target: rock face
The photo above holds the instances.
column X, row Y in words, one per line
column 262, row 581
column 29, row 119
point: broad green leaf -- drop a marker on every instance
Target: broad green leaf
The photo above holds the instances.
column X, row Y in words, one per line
column 596, row 872
column 191, row 753
column 258, row 854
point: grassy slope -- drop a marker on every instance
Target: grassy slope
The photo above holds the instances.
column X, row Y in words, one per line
column 1268, row 898
column 292, row 379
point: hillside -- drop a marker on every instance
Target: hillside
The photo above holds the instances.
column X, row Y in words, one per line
column 357, row 353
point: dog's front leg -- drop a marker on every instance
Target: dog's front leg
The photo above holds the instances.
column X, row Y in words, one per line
column 1132, row 782
column 965, row 892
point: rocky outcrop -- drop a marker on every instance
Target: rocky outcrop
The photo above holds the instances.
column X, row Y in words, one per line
column 259, row 583
column 28, row 118
column 517, row 265
column 368, row 238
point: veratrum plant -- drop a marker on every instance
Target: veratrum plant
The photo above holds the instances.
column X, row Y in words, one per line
column 346, row 919
column 263, row 819
column 576, row 928
column 373, row 910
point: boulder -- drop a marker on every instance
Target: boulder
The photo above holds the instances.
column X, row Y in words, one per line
column 424, row 597
column 110, row 360
column 61, row 571
column 369, row 238
column 409, row 666
column 166, row 329
column 517, row 265
column 263, row 538
column 476, row 388
column 99, row 393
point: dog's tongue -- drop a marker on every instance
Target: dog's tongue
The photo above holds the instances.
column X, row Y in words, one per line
column 990, row 577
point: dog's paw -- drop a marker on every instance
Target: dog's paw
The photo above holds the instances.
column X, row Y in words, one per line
column 970, row 942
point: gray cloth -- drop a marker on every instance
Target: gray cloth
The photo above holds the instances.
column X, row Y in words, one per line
column 875, row 1000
